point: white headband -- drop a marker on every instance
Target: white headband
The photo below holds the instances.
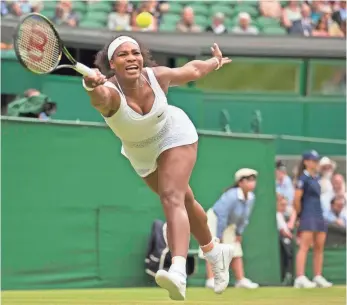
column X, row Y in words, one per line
column 117, row 42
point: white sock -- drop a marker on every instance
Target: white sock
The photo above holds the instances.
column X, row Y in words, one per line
column 214, row 252
column 179, row 265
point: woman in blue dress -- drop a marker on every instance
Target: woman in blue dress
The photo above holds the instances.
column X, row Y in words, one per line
column 312, row 227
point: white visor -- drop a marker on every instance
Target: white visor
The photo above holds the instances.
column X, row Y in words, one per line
column 117, row 42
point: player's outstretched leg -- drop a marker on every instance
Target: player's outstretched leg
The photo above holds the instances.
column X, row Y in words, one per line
column 173, row 281
column 218, row 255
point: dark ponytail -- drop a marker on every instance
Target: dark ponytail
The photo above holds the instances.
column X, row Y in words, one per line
column 103, row 64
column 300, row 170
column 235, row 185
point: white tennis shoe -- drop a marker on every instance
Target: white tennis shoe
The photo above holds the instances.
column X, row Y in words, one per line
column 321, row 282
column 220, row 263
column 246, row 283
column 173, row 282
column 304, row 282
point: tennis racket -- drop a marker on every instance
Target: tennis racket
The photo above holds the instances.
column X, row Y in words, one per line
column 39, row 48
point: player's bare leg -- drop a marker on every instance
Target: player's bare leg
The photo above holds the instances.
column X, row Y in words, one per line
column 184, row 215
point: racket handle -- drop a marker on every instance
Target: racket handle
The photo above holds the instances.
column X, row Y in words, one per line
column 84, row 70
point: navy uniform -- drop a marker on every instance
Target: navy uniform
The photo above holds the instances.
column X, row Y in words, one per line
column 311, row 215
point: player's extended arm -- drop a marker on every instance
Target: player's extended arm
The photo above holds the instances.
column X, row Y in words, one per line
column 193, row 70
column 104, row 99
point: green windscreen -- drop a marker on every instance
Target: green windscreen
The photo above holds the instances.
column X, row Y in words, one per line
column 75, row 214
column 254, row 75
column 327, row 77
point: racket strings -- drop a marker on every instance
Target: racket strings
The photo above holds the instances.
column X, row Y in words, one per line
column 38, row 45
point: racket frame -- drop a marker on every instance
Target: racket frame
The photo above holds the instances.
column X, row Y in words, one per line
column 80, row 68
column 16, row 36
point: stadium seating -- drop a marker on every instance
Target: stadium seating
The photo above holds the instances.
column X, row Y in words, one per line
column 95, row 14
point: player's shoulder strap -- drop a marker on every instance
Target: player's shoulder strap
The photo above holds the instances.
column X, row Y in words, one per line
column 153, row 80
column 113, row 86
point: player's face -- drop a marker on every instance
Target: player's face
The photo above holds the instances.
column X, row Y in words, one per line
column 127, row 61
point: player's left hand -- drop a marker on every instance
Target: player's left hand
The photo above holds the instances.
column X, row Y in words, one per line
column 216, row 52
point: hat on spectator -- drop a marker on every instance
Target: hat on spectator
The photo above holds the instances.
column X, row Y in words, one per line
column 280, row 166
column 245, row 173
column 244, row 15
column 327, row 161
column 311, row 155
column 219, row 15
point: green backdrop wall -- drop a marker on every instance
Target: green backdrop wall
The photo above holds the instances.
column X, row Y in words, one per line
column 74, row 213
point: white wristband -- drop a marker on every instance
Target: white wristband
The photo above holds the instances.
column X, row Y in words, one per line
column 218, row 63
column 86, row 87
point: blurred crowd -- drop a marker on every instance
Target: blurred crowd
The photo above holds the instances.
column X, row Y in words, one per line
column 320, row 18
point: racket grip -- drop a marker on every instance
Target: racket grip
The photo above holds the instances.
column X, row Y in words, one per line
column 84, row 70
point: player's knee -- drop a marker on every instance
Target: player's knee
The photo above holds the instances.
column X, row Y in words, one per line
column 172, row 199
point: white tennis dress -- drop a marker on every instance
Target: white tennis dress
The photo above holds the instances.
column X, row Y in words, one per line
column 145, row 137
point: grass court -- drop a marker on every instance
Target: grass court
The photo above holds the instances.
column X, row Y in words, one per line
column 195, row 296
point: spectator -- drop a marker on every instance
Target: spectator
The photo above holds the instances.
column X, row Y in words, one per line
column 327, row 16
column 302, row 26
column 340, row 15
column 217, row 26
column 16, row 9
column 291, row 13
column 64, row 14
column 162, row 8
column 119, row 19
column 284, row 186
column 326, row 169
column 337, row 30
column 321, row 30
column 286, row 248
column 282, row 225
column 338, row 189
column 149, row 6
column 36, row 6
column 244, row 26
column 336, row 215
column 316, row 10
column 187, row 23
column 270, row 8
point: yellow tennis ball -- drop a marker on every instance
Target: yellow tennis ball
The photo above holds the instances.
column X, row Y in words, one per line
column 144, row 19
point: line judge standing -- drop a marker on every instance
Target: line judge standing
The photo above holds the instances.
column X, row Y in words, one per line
column 228, row 219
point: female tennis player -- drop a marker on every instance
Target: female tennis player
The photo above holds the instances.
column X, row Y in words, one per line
column 160, row 142
column 312, row 226
column 227, row 220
